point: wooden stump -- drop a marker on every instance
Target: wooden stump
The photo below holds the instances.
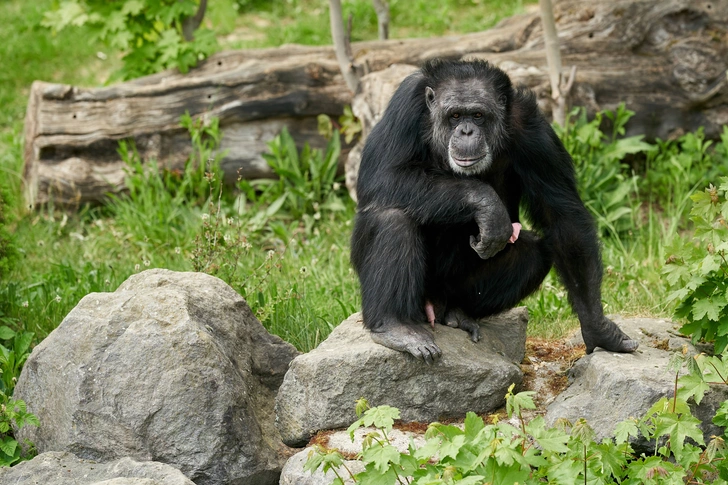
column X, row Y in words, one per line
column 666, row 59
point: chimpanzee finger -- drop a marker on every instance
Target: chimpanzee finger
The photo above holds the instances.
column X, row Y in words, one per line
column 424, row 354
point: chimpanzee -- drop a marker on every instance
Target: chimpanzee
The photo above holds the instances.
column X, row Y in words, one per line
column 441, row 180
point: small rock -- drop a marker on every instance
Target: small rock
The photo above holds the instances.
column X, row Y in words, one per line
column 294, row 474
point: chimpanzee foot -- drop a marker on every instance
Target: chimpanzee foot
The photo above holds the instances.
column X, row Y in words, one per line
column 414, row 338
column 457, row 318
column 607, row 335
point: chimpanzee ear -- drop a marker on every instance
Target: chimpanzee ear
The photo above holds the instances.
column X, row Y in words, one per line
column 430, row 97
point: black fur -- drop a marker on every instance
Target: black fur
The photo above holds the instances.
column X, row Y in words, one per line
column 411, row 240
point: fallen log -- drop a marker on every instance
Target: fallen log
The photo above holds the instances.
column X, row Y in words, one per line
column 666, row 59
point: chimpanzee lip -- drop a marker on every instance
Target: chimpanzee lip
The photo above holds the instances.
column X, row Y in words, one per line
column 467, row 162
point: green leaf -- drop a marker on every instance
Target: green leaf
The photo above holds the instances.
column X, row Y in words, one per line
column 132, row 7
column 70, row 13
column 582, row 432
column 613, row 457
column 514, row 402
column 170, row 44
column 473, row 425
column 315, row 459
column 504, row 475
column 451, row 448
column 6, row 333
column 361, row 405
column 381, row 456
column 22, row 344
column 475, row 480
column 408, row 463
column 429, row 450
column 552, row 439
column 678, row 427
column 721, row 415
column 507, row 455
column 653, row 468
column 8, row 445
column 710, row 263
column 372, row 477
column 678, row 294
column 692, row 385
column 624, row 430
column 565, row 471
column 31, row 419
column 381, row 417
column 709, row 307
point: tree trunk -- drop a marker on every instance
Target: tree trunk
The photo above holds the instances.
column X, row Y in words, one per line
column 667, row 59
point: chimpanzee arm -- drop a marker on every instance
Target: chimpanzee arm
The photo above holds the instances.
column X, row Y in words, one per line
column 444, row 199
column 433, row 198
column 549, row 189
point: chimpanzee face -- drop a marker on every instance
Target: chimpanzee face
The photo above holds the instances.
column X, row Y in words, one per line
column 468, row 125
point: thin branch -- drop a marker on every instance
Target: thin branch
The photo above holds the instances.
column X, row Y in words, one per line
column 567, row 89
column 190, row 24
column 347, row 37
column 382, row 9
column 553, row 58
column 551, row 41
column 346, row 63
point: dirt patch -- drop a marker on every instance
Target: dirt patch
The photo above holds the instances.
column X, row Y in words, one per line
column 545, row 367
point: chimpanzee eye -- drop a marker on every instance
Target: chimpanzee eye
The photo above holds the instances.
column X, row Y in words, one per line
column 477, row 116
column 456, row 115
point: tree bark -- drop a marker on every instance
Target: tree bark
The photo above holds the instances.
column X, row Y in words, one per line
column 666, row 59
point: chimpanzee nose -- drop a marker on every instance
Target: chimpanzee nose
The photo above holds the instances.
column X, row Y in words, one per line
column 466, row 129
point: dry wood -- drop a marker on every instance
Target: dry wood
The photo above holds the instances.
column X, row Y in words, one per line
column 667, row 59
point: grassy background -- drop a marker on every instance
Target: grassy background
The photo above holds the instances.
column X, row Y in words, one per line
column 305, row 286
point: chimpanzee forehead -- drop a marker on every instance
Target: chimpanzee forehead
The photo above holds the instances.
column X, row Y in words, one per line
column 470, row 93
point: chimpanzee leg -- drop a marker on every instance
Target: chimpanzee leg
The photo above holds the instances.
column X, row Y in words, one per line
column 388, row 253
column 499, row 283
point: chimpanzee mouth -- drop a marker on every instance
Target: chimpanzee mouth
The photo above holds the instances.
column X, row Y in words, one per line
column 468, row 162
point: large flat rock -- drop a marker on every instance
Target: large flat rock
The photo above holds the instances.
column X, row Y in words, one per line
column 321, row 387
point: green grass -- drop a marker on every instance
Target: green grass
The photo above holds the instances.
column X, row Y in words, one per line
column 29, row 52
column 263, row 23
column 305, row 286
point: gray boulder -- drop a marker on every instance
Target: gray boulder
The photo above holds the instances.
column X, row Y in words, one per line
column 62, row 468
column 171, row 367
column 321, row 387
column 607, row 388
